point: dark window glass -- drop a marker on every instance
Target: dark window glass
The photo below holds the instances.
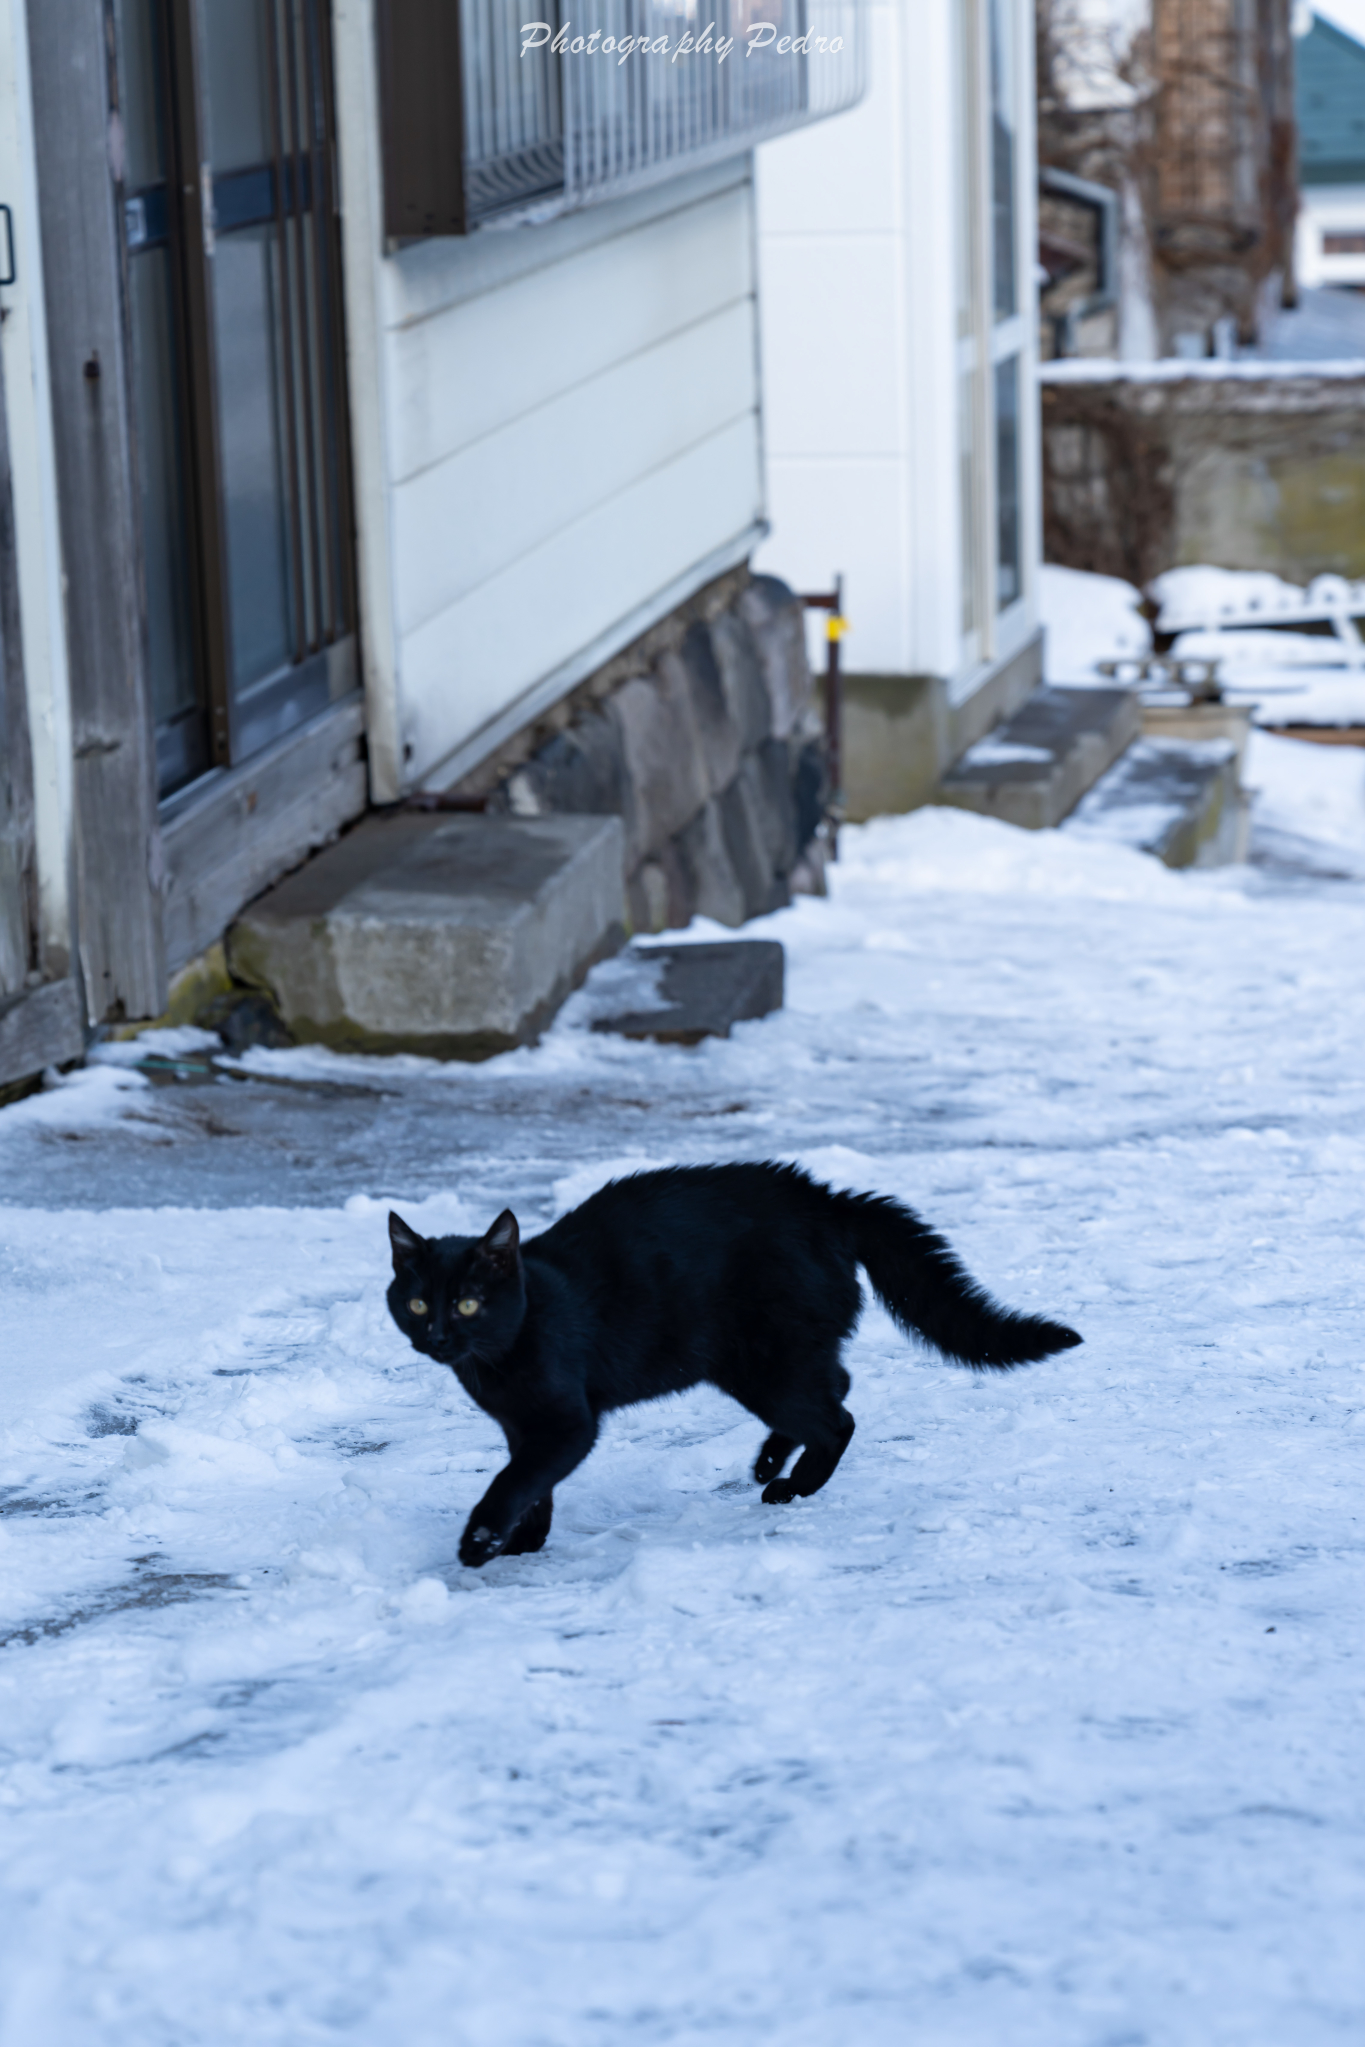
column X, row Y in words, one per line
column 1008, row 578
column 170, row 650
column 139, row 93
column 1003, row 122
column 236, row 83
column 245, row 321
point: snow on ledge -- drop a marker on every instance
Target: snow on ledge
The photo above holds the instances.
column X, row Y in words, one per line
column 1208, row 370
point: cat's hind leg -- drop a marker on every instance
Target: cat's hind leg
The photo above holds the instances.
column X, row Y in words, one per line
column 530, row 1532
column 774, row 1454
column 793, row 1379
column 825, row 1445
column 805, row 1408
column 810, row 1416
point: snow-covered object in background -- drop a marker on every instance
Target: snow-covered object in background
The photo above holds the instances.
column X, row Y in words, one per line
column 1098, row 369
column 1089, row 619
column 1212, row 600
column 1253, row 649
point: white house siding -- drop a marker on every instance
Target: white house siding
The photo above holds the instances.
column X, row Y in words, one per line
column 858, row 290
column 562, row 429
column 836, row 344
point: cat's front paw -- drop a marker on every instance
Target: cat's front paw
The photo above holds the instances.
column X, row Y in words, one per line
column 477, row 1545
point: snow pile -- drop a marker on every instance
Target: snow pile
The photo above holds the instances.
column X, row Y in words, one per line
column 1310, row 801
column 1251, row 647
column 1089, row 619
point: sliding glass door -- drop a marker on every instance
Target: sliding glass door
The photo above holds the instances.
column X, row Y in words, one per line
column 235, row 312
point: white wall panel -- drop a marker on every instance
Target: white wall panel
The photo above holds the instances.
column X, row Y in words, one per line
column 845, row 169
column 545, row 333
column 849, row 517
column 466, row 665
column 423, row 277
column 834, row 360
column 463, row 521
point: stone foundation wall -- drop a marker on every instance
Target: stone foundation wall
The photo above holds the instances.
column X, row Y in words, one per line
column 705, row 740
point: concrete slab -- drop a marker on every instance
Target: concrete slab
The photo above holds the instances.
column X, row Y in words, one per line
column 1033, row 769
column 454, row 936
column 700, row 991
column 1179, row 799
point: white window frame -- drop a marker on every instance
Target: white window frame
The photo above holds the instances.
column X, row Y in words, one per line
column 993, row 635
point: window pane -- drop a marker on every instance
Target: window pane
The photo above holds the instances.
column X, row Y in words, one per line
column 966, row 183
column 139, row 94
column 237, row 83
column 162, row 480
column 969, row 492
column 1008, row 579
column 245, row 333
column 1004, row 123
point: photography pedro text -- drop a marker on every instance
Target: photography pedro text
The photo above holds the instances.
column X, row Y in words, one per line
column 762, row 35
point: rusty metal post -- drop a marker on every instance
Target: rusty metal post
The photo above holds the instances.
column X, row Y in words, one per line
column 836, row 625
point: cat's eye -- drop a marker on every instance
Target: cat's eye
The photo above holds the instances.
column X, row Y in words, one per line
column 417, row 1305
column 469, row 1306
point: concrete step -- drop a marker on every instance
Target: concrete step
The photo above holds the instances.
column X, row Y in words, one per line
column 454, row 936
column 680, row 994
column 1033, row 769
column 1178, row 798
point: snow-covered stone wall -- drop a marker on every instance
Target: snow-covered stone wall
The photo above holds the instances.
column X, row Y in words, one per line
column 1244, row 466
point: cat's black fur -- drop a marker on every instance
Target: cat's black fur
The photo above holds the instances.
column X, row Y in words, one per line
column 743, row 1275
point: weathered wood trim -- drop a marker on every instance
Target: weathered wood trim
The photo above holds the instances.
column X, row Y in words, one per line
column 18, row 877
column 42, row 1028
column 117, row 901
column 240, row 830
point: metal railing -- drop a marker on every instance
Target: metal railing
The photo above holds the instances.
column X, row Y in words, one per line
column 586, row 100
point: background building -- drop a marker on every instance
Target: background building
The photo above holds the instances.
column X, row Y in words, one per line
column 1184, row 111
column 1330, row 98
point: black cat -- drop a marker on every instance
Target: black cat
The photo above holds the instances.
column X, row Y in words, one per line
column 743, row 1275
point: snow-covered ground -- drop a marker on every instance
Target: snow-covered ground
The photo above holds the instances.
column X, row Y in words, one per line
column 1043, row 1725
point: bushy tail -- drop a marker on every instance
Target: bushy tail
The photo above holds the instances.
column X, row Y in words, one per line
column 930, row 1293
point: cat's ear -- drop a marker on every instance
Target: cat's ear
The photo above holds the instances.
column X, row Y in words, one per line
column 405, row 1243
column 503, row 1241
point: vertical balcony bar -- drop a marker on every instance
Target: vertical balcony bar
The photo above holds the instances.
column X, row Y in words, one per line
column 301, row 123
column 295, row 481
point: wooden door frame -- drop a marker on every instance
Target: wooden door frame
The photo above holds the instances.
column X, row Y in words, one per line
column 118, row 847
column 40, row 1020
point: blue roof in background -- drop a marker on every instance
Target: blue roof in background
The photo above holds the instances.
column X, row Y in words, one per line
column 1329, row 103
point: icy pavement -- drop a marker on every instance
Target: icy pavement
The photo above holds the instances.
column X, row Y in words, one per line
column 1042, row 1726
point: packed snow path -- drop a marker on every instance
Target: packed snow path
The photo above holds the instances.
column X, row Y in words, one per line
column 1044, row 1724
